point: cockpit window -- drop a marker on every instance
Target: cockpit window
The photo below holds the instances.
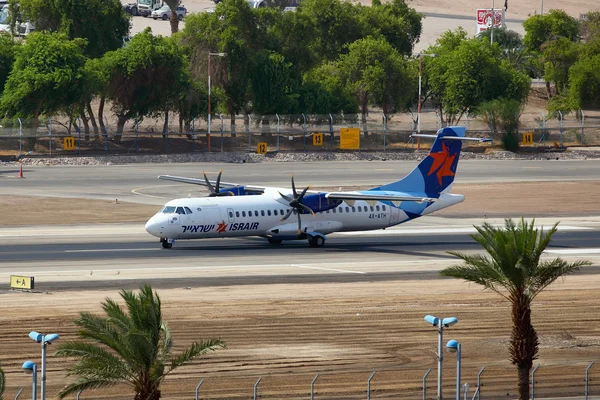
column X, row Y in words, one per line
column 180, row 210
column 168, row 210
column 187, row 210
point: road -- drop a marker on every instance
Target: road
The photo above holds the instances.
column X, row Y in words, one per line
column 138, row 183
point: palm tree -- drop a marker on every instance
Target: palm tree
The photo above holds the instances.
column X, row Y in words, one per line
column 174, row 20
column 513, row 269
column 2, row 383
column 132, row 347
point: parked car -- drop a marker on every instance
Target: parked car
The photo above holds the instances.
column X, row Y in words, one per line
column 165, row 13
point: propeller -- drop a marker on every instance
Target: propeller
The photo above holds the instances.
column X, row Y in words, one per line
column 215, row 190
column 296, row 205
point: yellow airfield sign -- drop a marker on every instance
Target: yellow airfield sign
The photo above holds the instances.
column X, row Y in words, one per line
column 69, row 143
column 261, row 148
column 349, row 139
column 21, row 282
column 318, row 139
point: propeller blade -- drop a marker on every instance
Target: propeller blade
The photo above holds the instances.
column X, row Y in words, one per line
column 286, row 198
column 208, row 184
column 299, row 224
column 307, row 208
column 303, row 193
column 294, row 188
column 287, row 215
column 218, row 186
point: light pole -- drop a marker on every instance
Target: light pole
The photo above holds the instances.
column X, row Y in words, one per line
column 208, row 132
column 420, row 56
column 31, row 368
column 44, row 340
column 440, row 324
column 454, row 347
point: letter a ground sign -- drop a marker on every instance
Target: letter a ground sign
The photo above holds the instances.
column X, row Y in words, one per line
column 22, row 282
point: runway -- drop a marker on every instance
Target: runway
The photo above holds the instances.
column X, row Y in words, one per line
column 117, row 256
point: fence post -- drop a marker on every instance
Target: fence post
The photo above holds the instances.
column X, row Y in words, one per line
column 587, row 380
column 166, row 133
column 439, row 119
column 137, row 125
column 221, row 129
column 20, row 139
column 50, row 142
column 256, row 386
column 79, row 394
column 331, row 132
column 425, row 383
column 369, row 385
column 278, row 130
column 249, row 133
column 479, row 382
column 312, row 388
column 106, row 135
column 560, row 124
column 466, row 391
column 533, row 382
column 582, row 125
column 384, row 130
column 18, row 393
column 198, row 388
column 304, row 129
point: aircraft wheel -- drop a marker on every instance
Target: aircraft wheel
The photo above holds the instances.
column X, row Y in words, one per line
column 316, row 241
column 274, row 241
column 167, row 245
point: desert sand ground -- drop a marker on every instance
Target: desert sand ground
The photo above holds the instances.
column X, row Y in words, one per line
column 286, row 334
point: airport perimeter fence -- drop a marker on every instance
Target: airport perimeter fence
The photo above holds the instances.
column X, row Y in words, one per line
column 279, row 133
column 487, row 382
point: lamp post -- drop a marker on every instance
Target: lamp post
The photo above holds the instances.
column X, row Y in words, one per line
column 454, row 347
column 440, row 324
column 208, row 131
column 44, row 340
column 420, row 56
column 31, row 368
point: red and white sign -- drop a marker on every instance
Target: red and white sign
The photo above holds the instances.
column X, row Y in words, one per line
column 484, row 19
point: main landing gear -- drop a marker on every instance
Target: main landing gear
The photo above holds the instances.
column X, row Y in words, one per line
column 166, row 243
column 274, row 241
column 316, row 241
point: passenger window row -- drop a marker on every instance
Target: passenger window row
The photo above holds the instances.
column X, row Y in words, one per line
column 280, row 212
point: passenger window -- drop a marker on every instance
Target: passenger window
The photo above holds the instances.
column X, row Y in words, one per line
column 377, row 208
column 383, row 208
column 180, row 210
column 243, row 213
column 341, row 210
column 327, row 211
column 353, row 209
column 359, row 209
column 230, row 214
column 281, row 212
column 274, row 212
column 347, row 209
column 372, row 208
column 187, row 210
column 255, row 213
column 334, row 211
column 262, row 212
column 237, row 214
column 269, row 213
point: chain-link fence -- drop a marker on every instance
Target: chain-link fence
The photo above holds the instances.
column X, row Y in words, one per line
column 280, row 133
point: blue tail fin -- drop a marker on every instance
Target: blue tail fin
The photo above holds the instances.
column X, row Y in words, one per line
column 435, row 173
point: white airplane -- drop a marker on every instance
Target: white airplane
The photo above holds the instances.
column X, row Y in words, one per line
column 278, row 214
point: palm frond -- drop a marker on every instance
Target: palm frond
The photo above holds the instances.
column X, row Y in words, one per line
column 195, row 350
column 93, row 355
column 101, row 330
column 549, row 271
column 84, row 384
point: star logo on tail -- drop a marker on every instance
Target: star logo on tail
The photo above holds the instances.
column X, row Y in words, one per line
column 442, row 161
column 222, row 227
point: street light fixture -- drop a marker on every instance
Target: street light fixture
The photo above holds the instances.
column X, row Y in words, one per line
column 208, row 131
column 420, row 57
column 31, row 368
column 44, row 340
column 454, row 347
column 440, row 324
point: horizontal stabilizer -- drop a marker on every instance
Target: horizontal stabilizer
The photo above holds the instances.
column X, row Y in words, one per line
column 377, row 197
column 202, row 182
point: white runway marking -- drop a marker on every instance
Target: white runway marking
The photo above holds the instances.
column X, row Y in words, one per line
column 418, row 231
column 328, row 269
column 109, row 250
column 574, row 251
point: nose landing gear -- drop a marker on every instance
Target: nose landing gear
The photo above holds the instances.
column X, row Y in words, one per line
column 166, row 243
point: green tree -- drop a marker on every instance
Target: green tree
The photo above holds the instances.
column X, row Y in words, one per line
column 506, row 39
column 174, row 19
column 2, row 383
column 590, row 26
column 46, row 76
column 541, row 28
column 273, row 87
column 503, row 114
column 513, row 268
column 584, row 83
column 8, row 48
column 323, row 92
column 142, row 78
column 131, row 346
column 468, row 73
column 376, row 74
column 558, row 56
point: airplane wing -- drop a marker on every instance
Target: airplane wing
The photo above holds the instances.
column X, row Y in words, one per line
column 353, row 196
column 202, row 182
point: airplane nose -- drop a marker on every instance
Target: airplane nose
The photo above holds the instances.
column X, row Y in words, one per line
column 156, row 226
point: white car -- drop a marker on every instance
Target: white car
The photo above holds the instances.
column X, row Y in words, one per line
column 164, row 13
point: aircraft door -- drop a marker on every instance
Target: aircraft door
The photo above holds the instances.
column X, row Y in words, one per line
column 394, row 215
column 230, row 215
